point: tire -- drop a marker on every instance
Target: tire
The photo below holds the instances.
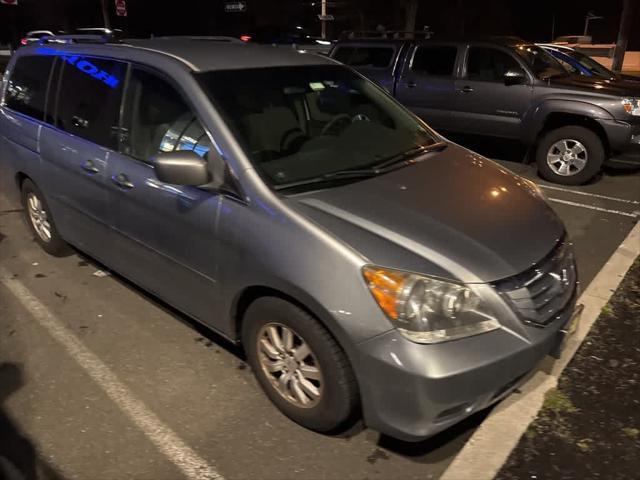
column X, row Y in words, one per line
column 594, row 155
column 338, row 401
column 54, row 244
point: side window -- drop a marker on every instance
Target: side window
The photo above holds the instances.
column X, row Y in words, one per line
column 27, row 88
column 372, row 57
column 156, row 119
column 435, row 60
column 489, row 64
column 343, row 54
column 89, row 98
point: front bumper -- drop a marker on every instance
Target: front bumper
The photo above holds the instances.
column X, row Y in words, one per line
column 623, row 137
column 412, row 391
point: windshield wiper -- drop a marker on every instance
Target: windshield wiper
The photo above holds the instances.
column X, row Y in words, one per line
column 371, row 171
column 408, row 155
column 360, row 173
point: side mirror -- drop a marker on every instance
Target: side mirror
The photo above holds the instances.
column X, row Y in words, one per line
column 185, row 167
column 515, row 76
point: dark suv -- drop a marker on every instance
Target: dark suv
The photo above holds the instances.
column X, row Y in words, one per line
column 511, row 89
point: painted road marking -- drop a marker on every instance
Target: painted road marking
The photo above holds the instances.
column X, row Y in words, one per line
column 166, row 440
column 489, row 447
column 595, row 195
column 593, row 207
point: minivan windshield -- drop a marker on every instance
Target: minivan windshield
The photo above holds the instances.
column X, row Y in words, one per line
column 301, row 123
column 542, row 63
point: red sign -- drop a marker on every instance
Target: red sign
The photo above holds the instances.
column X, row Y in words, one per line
column 121, row 8
column 9, row 2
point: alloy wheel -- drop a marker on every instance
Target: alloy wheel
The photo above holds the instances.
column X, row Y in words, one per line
column 290, row 365
column 567, row 157
column 38, row 217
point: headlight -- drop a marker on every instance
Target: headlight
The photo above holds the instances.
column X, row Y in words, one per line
column 426, row 310
column 631, row 105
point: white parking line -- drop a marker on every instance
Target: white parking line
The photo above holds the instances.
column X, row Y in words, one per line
column 593, row 207
column 166, row 440
column 595, row 195
column 489, row 447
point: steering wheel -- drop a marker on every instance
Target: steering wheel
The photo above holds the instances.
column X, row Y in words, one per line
column 334, row 122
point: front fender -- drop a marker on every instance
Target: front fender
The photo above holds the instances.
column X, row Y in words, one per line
column 538, row 115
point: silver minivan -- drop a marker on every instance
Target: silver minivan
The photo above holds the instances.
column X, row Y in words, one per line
column 369, row 267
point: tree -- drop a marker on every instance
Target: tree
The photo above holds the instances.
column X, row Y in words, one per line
column 411, row 11
column 623, row 36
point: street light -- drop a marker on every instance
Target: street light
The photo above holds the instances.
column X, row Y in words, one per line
column 590, row 16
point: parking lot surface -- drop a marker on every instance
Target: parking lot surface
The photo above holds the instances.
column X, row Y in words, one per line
column 144, row 393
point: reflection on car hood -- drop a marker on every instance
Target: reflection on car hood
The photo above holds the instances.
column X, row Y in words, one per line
column 614, row 86
column 454, row 214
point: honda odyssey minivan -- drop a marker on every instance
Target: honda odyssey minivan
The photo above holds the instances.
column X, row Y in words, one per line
column 368, row 266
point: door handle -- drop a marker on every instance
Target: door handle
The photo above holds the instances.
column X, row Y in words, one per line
column 411, row 84
column 89, row 167
column 122, row 181
column 466, row 89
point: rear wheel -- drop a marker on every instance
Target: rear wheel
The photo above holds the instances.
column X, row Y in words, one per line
column 299, row 365
column 38, row 217
column 570, row 155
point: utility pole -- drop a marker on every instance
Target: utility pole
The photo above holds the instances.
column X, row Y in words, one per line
column 105, row 14
column 324, row 21
column 623, row 36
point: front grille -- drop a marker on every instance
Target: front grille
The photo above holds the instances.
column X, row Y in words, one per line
column 541, row 294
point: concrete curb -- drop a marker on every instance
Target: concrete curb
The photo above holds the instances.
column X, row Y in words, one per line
column 488, row 449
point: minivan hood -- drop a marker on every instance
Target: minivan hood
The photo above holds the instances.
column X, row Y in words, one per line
column 613, row 86
column 468, row 217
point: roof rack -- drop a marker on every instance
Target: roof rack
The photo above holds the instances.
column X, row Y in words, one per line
column 386, row 34
column 78, row 39
column 204, row 38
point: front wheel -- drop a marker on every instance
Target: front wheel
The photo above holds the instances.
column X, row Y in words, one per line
column 570, row 155
column 299, row 365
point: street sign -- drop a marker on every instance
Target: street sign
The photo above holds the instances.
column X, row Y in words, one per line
column 121, row 8
column 326, row 18
column 9, row 2
column 235, row 7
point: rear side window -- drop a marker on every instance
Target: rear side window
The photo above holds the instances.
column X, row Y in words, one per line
column 489, row 64
column 434, row 60
column 343, row 54
column 367, row 57
column 27, row 89
column 156, row 119
column 89, row 98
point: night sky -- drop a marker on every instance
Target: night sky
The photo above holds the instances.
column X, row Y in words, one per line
column 531, row 20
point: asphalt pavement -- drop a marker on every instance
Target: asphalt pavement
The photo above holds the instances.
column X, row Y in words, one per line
column 100, row 381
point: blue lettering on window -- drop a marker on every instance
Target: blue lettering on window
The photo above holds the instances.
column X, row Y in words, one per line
column 85, row 66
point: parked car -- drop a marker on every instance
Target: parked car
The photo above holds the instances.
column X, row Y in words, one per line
column 296, row 37
column 34, row 36
column 365, row 263
column 511, row 89
column 577, row 62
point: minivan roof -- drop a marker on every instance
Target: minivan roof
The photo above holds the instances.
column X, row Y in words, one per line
column 201, row 54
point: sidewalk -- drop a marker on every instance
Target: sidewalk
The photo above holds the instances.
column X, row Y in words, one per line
column 589, row 426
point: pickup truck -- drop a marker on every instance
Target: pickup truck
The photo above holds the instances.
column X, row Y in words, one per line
column 508, row 88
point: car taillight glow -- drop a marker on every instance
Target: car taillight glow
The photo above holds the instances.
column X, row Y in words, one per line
column 23, row 41
column 245, row 38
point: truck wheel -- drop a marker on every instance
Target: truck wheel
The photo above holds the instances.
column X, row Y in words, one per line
column 569, row 155
column 38, row 217
column 299, row 365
